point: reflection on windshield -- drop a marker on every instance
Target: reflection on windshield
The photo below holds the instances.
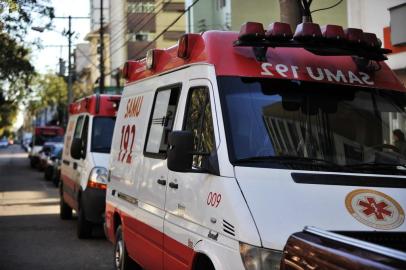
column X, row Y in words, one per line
column 341, row 125
column 102, row 134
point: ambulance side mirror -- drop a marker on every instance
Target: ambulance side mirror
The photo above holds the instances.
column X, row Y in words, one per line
column 180, row 150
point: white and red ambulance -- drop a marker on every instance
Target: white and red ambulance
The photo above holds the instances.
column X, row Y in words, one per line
column 85, row 158
column 228, row 143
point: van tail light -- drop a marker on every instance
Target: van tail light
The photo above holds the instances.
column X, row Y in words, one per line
column 333, row 32
column 307, row 31
column 98, row 178
column 278, row 31
column 354, row 35
column 251, row 31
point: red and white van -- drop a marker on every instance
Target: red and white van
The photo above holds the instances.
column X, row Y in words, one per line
column 43, row 134
column 85, row 158
column 230, row 142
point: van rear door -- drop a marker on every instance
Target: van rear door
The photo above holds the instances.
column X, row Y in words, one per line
column 318, row 249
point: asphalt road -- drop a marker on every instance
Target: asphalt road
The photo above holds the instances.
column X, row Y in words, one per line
column 32, row 236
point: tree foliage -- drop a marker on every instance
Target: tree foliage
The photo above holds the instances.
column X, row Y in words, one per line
column 16, row 70
column 49, row 90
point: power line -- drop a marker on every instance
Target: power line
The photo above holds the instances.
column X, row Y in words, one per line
column 320, row 9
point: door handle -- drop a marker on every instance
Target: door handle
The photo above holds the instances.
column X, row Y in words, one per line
column 173, row 185
column 75, row 165
column 161, row 182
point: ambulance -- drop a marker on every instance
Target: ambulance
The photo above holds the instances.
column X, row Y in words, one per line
column 85, row 158
column 42, row 135
column 228, row 143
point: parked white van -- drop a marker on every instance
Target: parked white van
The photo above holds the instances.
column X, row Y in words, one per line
column 85, row 158
column 230, row 142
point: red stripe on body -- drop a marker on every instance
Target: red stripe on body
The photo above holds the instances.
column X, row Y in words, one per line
column 177, row 256
column 145, row 243
column 69, row 200
column 69, row 182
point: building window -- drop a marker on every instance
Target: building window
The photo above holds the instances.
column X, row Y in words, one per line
column 141, row 7
column 140, row 36
column 173, row 35
column 221, row 3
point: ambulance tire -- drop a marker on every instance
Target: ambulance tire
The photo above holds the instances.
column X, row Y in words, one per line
column 65, row 211
column 121, row 259
column 203, row 263
column 84, row 227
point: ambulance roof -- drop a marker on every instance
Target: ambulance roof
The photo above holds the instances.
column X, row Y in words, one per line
column 100, row 105
column 217, row 48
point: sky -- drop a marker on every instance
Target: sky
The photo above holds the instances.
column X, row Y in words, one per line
column 46, row 59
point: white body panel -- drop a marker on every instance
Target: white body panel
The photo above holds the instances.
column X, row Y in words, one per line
column 280, row 205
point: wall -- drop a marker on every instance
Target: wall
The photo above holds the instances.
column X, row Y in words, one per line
column 373, row 16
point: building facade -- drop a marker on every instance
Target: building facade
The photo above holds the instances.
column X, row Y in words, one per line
column 139, row 25
column 363, row 14
column 231, row 14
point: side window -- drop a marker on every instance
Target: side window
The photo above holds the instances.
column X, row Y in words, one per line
column 80, row 133
column 79, row 127
column 199, row 120
column 161, row 121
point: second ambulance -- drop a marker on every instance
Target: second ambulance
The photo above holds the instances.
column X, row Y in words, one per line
column 230, row 142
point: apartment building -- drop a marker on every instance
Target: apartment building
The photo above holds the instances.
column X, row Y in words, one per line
column 139, row 25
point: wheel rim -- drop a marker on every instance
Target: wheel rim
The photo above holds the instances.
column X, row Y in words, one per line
column 119, row 254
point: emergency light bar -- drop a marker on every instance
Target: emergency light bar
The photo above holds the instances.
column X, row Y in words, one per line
column 186, row 44
column 307, row 31
column 333, row 32
column 279, row 31
column 251, row 31
column 329, row 40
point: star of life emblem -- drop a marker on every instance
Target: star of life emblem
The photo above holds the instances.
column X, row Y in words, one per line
column 375, row 209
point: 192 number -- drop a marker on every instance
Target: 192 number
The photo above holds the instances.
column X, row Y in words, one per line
column 126, row 143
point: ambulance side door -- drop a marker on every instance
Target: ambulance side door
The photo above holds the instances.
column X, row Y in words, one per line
column 186, row 193
column 153, row 179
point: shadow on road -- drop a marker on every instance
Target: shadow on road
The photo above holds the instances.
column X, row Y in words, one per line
column 32, row 236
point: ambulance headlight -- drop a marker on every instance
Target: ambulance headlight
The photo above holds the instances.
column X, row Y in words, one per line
column 256, row 258
column 98, row 178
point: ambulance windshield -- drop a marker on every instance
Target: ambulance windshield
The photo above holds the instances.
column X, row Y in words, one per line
column 102, row 134
column 331, row 127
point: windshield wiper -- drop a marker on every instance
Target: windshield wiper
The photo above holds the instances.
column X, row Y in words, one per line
column 290, row 160
column 377, row 166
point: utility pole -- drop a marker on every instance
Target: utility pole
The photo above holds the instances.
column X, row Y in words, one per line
column 101, row 79
column 290, row 11
column 69, row 34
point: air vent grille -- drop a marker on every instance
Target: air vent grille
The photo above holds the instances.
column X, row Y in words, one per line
column 228, row 228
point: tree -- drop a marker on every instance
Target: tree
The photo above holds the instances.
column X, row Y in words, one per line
column 49, row 90
column 16, row 70
column 294, row 12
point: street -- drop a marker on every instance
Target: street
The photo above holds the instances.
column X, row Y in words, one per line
column 32, row 235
